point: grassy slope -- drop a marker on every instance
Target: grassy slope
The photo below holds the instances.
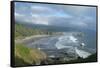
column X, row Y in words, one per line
column 24, row 55
column 27, row 56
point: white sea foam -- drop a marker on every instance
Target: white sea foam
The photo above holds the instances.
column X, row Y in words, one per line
column 73, row 39
column 71, row 42
column 66, row 41
column 82, row 53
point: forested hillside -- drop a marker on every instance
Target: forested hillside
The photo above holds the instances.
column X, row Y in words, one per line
column 22, row 31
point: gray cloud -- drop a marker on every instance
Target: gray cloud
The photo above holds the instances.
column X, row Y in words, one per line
column 57, row 15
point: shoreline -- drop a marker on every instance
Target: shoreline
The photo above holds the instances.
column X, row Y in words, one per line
column 35, row 37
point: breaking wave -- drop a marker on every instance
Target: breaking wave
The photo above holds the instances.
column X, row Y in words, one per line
column 69, row 41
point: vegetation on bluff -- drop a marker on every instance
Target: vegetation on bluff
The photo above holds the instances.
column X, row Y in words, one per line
column 28, row 56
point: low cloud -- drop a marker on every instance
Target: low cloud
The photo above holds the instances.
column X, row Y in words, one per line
column 64, row 16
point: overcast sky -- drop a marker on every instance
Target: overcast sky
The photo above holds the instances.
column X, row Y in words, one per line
column 57, row 15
